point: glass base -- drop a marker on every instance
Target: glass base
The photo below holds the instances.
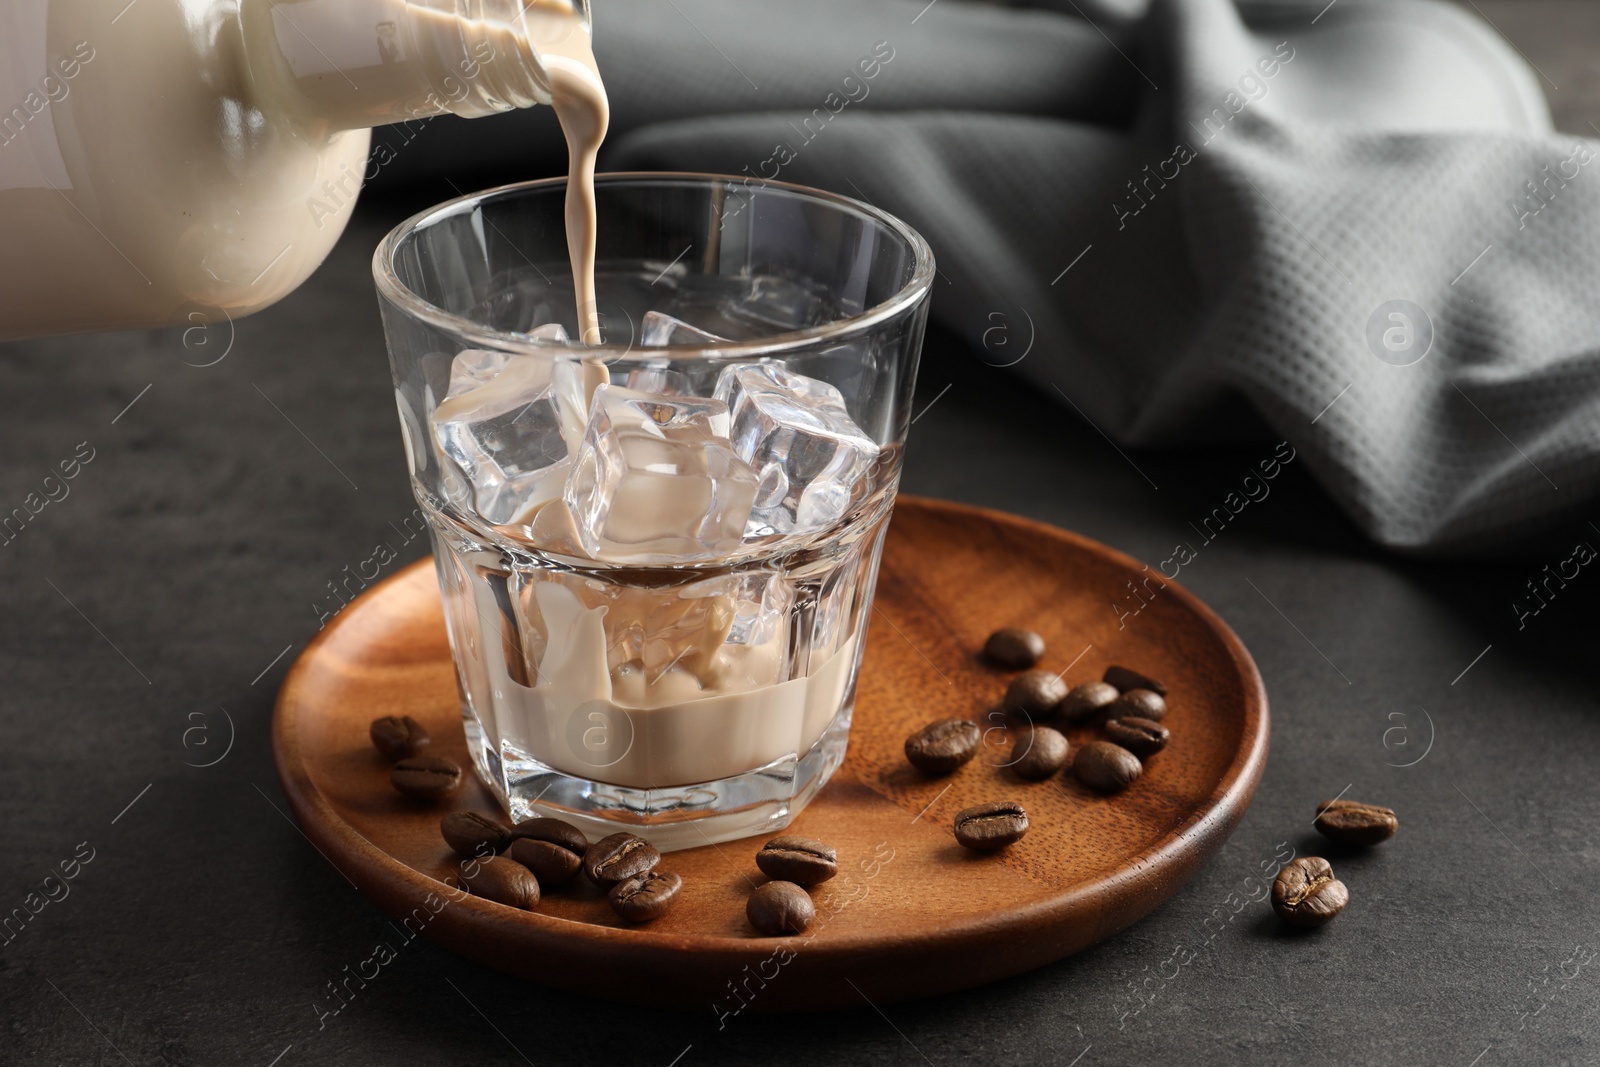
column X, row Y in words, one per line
column 756, row 802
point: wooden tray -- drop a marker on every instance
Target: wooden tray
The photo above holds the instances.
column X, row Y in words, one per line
column 911, row 914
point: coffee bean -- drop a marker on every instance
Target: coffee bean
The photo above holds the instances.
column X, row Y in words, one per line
column 1035, row 693
column 426, row 777
column 798, row 860
column 1085, row 701
column 1105, row 767
column 1014, row 649
column 1138, row 703
column 471, row 834
column 611, row 859
column 943, row 746
column 1039, row 753
column 1142, row 737
column 556, row 831
column 780, row 908
column 991, row 827
column 502, row 881
column 1351, row 823
column 398, row 737
column 551, row 863
column 1124, row 679
column 645, row 896
column 1306, row 893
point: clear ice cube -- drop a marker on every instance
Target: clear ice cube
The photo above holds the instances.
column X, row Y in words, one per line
column 501, row 426
column 659, row 329
column 656, row 481
column 473, row 367
column 662, row 644
column 657, row 377
column 810, row 458
column 572, row 386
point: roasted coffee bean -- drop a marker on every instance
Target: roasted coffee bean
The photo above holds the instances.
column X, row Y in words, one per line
column 798, row 860
column 1014, row 649
column 1035, row 693
column 551, row 863
column 644, row 896
column 1352, row 823
column 611, row 859
column 556, row 831
column 1084, row 702
column 991, row 827
column 1138, row 703
column 1306, row 893
column 943, row 746
column 1142, row 737
column 471, row 834
column 398, row 737
column 502, row 881
column 1105, row 767
column 426, row 777
column 1039, row 753
column 780, row 908
column 1124, row 679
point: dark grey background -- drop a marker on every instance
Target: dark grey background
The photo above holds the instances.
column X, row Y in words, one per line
column 163, row 599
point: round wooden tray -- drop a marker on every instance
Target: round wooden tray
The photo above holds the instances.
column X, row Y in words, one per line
column 911, row 914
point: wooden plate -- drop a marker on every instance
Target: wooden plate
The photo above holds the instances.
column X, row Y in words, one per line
column 911, row 914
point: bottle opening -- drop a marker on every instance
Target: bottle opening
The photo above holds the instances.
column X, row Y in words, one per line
column 362, row 63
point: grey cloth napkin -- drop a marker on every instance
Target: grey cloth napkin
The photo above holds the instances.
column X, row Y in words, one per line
column 1192, row 224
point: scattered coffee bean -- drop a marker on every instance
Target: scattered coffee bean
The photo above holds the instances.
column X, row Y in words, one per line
column 1139, row 703
column 556, row 831
column 1105, row 767
column 798, row 860
column 1014, row 649
column 1039, row 753
column 471, row 834
column 551, row 863
column 611, row 859
column 645, row 896
column 780, row 908
column 1306, row 893
column 991, row 827
column 1124, row 679
column 943, row 746
column 426, row 777
column 502, row 881
column 1143, row 737
column 1085, row 701
column 1352, row 823
column 398, row 737
column 1035, row 693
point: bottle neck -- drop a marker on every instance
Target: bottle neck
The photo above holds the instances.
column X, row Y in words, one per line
column 350, row 64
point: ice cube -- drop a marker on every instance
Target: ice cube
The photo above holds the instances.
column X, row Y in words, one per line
column 659, row 329
column 810, row 458
column 656, row 481
column 500, row 425
column 656, row 376
column 761, row 602
column 727, row 632
column 573, row 383
column 473, row 367
column 660, row 644
column 550, row 331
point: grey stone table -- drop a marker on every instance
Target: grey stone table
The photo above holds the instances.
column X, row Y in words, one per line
column 152, row 610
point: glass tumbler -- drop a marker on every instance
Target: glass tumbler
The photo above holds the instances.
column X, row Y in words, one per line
column 657, row 554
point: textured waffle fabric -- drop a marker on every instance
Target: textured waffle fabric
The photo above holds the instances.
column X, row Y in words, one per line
column 1196, row 222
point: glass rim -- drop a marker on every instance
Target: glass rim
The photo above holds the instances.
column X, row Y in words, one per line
column 396, row 292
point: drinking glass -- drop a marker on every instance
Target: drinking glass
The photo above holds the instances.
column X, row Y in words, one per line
column 656, row 555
